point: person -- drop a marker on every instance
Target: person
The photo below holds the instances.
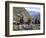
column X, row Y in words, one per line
column 29, row 21
column 37, row 21
column 21, row 20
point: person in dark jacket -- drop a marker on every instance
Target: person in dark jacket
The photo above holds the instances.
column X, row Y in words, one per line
column 21, row 20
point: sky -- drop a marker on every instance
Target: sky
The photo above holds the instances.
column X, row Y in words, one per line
column 33, row 10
